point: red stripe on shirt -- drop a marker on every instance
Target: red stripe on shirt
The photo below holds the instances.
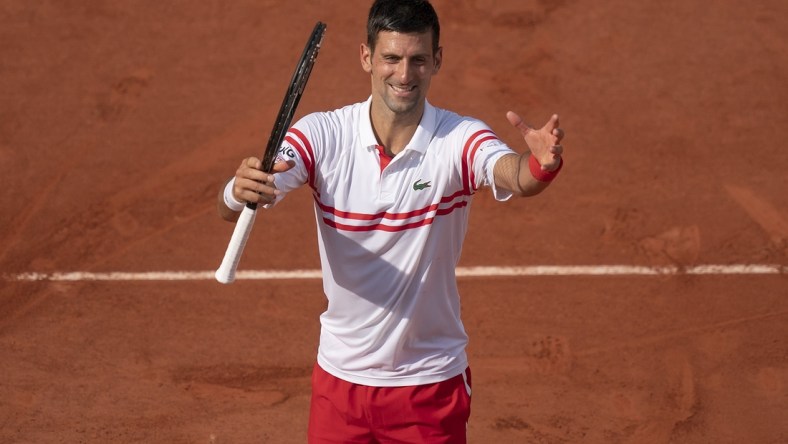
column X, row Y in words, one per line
column 385, row 214
column 473, row 158
column 394, row 228
column 469, row 187
column 304, row 148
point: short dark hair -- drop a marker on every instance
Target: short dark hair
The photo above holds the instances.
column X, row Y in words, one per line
column 405, row 16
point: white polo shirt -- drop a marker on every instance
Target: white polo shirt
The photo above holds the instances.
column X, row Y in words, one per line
column 390, row 237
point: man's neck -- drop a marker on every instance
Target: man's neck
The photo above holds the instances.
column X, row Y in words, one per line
column 394, row 131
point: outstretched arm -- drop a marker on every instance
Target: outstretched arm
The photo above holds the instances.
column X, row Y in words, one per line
column 531, row 172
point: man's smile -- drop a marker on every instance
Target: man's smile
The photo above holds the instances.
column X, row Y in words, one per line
column 402, row 89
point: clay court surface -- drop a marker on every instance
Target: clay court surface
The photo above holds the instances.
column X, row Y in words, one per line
column 120, row 120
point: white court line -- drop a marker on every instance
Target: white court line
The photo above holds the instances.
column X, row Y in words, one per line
column 536, row 270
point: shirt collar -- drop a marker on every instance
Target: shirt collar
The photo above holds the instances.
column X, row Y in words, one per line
column 367, row 135
column 420, row 140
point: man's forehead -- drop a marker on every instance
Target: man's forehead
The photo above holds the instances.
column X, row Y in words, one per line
column 393, row 40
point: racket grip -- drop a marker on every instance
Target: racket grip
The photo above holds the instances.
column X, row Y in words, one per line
column 226, row 271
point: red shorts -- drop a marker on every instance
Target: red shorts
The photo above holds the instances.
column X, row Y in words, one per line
column 343, row 412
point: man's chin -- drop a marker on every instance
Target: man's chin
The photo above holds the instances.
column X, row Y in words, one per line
column 403, row 106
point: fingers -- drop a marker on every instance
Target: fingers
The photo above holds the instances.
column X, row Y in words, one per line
column 551, row 127
column 283, row 165
column 544, row 143
column 253, row 185
column 252, row 162
column 260, row 192
column 559, row 134
column 514, row 119
column 553, row 122
column 517, row 122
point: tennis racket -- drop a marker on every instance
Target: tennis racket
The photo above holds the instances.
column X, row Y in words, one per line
column 226, row 271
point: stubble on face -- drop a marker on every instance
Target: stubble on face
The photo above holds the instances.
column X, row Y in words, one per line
column 401, row 68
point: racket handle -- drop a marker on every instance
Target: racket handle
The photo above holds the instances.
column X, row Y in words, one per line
column 226, row 271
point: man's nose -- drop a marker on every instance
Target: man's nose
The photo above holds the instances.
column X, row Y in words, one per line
column 405, row 71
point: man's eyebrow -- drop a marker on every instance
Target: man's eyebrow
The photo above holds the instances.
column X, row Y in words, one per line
column 422, row 55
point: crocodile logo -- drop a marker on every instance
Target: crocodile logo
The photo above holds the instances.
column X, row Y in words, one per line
column 418, row 186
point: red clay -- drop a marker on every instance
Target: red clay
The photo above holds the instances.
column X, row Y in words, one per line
column 120, row 121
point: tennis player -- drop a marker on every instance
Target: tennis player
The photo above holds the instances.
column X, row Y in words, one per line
column 392, row 179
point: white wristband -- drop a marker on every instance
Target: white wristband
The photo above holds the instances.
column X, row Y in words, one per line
column 229, row 199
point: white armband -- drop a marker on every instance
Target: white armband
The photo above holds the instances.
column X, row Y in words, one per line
column 229, row 199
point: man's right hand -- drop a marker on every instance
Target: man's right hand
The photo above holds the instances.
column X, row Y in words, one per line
column 252, row 185
column 255, row 186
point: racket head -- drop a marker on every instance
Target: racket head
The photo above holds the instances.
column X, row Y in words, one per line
column 293, row 96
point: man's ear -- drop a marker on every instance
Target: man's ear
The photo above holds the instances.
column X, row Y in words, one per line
column 438, row 59
column 365, row 55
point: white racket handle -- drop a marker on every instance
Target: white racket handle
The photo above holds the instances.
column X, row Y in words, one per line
column 226, row 272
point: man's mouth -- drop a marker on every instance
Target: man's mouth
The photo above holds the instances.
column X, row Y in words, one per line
column 402, row 89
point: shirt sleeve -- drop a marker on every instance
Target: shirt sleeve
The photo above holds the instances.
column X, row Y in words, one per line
column 298, row 148
column 493, row 153
column 481, row 150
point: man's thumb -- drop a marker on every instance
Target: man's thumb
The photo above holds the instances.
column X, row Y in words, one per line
column 282, row 165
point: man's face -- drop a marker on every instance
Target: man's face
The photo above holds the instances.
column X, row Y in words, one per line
column 401, row 68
